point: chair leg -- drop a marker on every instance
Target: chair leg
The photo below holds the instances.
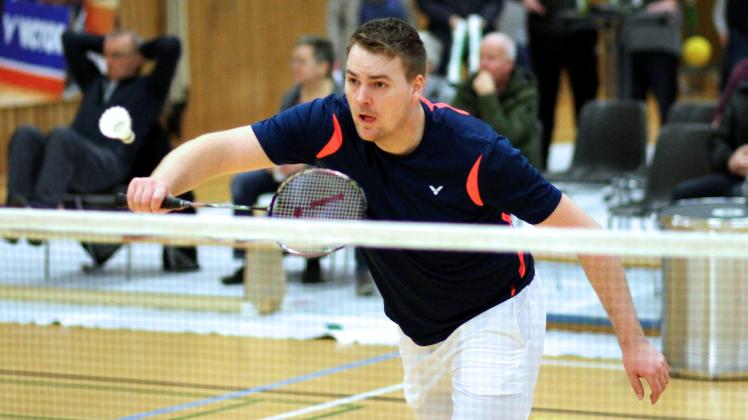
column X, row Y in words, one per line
column 128, row 263
column 47, row 261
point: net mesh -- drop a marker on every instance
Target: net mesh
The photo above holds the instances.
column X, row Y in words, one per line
column 141, row 333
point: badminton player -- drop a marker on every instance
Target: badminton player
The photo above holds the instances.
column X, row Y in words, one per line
column 472, row 323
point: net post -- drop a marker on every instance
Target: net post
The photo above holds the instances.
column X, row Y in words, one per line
column 264, row 277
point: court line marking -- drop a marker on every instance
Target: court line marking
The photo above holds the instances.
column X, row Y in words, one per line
column 262, row 388
column 399, row 386
column 335, row 403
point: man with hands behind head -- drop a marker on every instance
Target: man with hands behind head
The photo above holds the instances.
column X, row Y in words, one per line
column 78, row 158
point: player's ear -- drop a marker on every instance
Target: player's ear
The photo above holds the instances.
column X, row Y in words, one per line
column 417, row 86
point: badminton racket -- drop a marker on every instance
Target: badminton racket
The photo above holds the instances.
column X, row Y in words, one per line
column 310, row 194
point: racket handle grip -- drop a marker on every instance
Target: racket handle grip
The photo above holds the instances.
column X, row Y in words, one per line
column 170, row 202
column 120, row 200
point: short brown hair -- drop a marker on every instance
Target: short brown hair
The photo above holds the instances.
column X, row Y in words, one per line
column 392, row 37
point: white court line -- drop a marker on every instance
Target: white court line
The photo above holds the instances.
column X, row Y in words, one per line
column 397, row 387
column 335, row 403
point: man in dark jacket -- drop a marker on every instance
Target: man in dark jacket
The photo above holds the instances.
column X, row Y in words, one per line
column 503, row 95
column 42, row 167
column 729, row 154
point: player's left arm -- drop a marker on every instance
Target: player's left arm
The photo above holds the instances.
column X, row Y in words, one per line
column 608, row 279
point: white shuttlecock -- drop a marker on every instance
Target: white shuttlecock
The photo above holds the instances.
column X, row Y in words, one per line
column 115, row 123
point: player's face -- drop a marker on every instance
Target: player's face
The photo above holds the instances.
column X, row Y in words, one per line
column 122, row 57
column 379, row 94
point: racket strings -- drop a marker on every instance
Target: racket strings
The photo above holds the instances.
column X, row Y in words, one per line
column 318, row 194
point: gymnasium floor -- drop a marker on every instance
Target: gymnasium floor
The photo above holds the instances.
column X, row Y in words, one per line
column 52, row 372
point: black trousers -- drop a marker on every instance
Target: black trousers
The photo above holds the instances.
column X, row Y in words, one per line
column 551, row 52
column 658, row 72
column 712, row 185
column 42, row 167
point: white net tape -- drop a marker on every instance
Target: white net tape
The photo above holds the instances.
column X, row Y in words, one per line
column 216, row 229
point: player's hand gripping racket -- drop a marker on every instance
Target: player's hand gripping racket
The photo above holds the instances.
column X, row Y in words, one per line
column 311, row 194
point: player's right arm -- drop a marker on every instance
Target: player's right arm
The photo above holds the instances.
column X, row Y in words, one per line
column 195, row 161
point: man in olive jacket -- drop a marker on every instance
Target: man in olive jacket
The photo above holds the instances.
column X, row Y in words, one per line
column 504, row 96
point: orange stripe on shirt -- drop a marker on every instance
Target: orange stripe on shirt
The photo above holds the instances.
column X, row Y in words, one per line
column 336, row 140
column 472, row 183
column 522, row 269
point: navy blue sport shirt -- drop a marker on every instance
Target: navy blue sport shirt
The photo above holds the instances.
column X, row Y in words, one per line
column 461, row 172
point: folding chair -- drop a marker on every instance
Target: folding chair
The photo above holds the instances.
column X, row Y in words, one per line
column 681, row 153
column 611, row 142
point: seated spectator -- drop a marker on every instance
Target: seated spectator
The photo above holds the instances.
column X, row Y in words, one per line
column 437, row 88
column 78, row 158
column 312, row 60
column 503, row 95
column 729, row 154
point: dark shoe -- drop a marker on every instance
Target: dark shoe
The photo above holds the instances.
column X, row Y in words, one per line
column 312, row 272
column 236, row 278
column 15, row 201
column 180, row 259
column 364, row 283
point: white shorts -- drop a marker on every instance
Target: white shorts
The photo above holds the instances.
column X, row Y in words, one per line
column 485, row 369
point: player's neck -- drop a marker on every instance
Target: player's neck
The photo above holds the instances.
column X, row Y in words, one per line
column 406, row 139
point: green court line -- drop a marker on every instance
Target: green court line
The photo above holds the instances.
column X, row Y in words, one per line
column 243, row 401
column 190, row 385
column 583, row 413
column 103, row 388
column 216, row 410
column 344, row 409
column 29, row 417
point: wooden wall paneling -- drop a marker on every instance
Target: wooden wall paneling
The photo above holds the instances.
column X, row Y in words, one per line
column 146, row 17
column 239, row 58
